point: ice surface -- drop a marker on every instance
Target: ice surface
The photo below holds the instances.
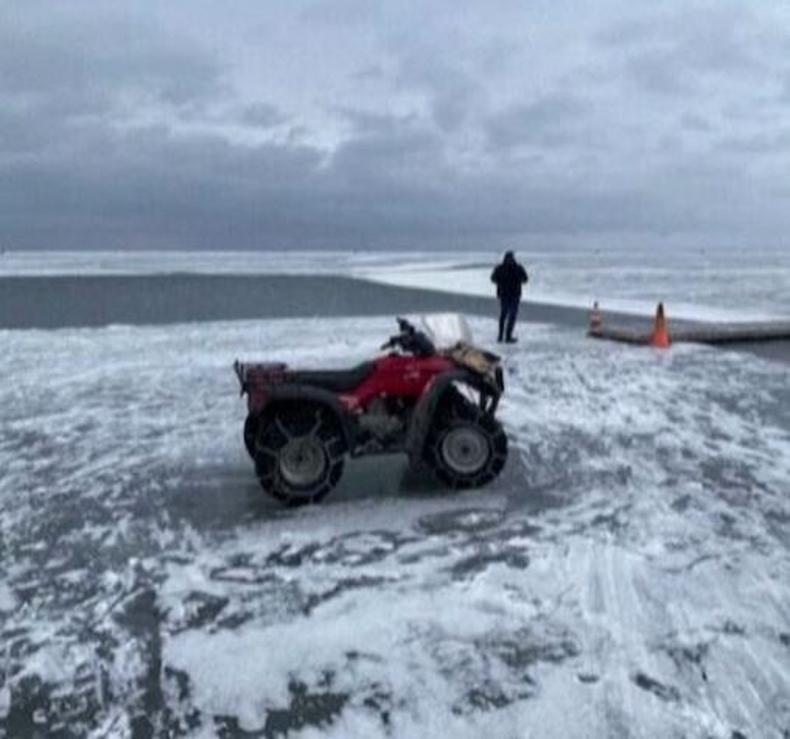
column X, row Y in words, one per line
column 723, row 292
column 627, row 576
column 715, row 284
column 7, row 600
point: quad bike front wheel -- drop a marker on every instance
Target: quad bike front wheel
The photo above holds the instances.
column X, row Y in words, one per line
column 466, row 447
column 299, row 453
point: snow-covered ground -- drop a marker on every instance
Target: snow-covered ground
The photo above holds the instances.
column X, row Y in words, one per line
column 627, row 576
column 722, row 286
column 716, row 285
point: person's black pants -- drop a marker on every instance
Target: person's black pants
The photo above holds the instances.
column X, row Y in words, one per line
column 508, row 312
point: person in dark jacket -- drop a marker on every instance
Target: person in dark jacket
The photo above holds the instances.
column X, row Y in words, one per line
column 508, row 277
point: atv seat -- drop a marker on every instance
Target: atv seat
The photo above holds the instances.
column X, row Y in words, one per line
column 336, row 381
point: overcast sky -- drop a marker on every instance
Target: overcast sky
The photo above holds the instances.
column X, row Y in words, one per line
column 361, row 124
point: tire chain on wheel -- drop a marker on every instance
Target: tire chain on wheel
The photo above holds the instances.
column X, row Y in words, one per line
column 250, row 433
column 271, row 439
column 453, row 411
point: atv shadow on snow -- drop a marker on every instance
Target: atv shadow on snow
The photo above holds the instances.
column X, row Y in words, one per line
column 224, row 496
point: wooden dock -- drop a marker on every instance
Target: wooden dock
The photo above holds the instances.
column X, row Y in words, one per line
column 700, row 333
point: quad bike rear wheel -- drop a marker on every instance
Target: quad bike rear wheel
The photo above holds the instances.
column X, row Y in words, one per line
column 299, row 453
column 466, row 447
column 250, row 432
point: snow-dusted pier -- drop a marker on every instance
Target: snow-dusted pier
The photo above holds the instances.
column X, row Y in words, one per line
column 709, row 333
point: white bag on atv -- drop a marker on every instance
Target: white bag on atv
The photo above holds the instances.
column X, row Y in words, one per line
column 452, row 335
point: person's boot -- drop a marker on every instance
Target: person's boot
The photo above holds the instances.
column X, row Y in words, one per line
column 511, row 339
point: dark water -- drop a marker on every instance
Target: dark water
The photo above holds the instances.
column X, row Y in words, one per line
column 73, row 301
column 99, row 300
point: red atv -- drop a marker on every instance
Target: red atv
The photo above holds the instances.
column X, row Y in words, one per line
column 437, row 406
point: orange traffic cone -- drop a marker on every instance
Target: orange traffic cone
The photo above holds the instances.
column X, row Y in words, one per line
column 596, row 322
column 660, row 335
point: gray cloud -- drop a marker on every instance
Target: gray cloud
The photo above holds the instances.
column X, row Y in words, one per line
column 159, row 129
column 675, row 53
column 784, row 89
column 450, row 91
column 84, row 64
column 339, row 12
column 694, row 122
column 768, row 143
column 548, row 121
column 261, row 115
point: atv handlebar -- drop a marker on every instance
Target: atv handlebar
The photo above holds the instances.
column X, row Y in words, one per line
column 410, row 340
